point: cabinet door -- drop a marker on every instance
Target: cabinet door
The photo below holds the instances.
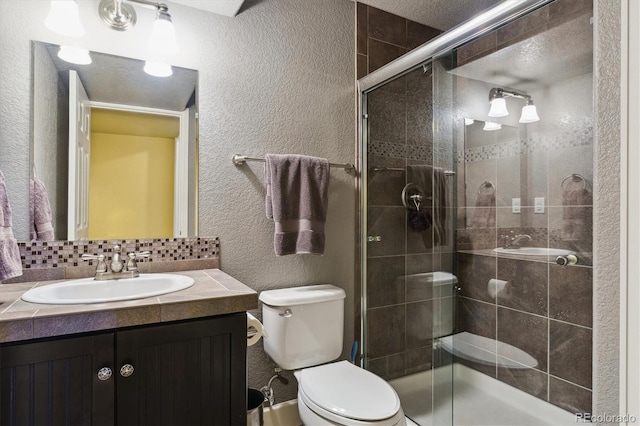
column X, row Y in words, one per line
column 56, row 383
column 185, row 373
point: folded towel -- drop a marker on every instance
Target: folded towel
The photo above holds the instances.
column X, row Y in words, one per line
column 297, row 198
column 576, row 212
column 485, row 212
column 432, row 180
column 40, row 208
column 10, row 263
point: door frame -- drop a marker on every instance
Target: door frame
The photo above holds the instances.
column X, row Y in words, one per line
column 78, row 186
column 181, row 170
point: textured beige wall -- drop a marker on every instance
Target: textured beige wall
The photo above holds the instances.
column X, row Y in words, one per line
column 277, row 78
column 606, row 221
column 50, row 132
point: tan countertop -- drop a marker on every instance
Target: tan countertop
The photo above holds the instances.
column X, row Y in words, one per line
column 585, row 259
column 214, row 293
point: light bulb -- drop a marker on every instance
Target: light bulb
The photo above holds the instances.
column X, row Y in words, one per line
column 157, row 69
column 75, row 55
column 498, row 107
column 64, row 18
column 489, row 126
column 529, row 114
column 163, row 36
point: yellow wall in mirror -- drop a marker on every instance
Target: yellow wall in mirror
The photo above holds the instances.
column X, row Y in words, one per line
column 134, row 123
column 131, row 189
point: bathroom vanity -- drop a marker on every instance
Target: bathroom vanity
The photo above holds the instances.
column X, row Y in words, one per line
column 175, row 359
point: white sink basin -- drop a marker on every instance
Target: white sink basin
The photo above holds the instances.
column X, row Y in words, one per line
column 534, row 251
column 88, row 290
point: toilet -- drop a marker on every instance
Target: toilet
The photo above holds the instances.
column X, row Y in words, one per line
column 304, row 332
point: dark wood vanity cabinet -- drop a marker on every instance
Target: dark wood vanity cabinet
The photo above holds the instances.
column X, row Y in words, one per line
column 181, row 373
column 189, row 373
column 55, row 383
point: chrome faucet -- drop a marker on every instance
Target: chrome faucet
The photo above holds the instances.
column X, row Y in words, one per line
column 117, row 265
column 513, row 241
column 117, row 268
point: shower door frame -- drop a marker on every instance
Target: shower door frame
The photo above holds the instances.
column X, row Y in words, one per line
column 436, row 48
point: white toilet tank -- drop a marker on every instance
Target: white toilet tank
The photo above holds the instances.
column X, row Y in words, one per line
column 442, row 285
column 303, row 325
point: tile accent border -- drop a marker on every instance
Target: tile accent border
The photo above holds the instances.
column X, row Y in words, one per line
column 526, row 146
column 400, row 150
column 64, row 254
column 486, row 152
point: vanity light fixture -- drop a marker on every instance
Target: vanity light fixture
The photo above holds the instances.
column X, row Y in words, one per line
column 75, row 55
column 529, row 113
column 158, row 69
column 121, row 16
column 499, row 106
column 163, row 36
column 64, row 18
column 489, row 126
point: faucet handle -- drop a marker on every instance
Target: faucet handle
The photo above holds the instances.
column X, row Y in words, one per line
column 132, row 265
column 102, row 265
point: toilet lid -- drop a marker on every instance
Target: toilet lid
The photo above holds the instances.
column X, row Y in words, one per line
column 349, row 391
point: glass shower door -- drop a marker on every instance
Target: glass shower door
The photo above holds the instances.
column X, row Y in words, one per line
column 408, row 291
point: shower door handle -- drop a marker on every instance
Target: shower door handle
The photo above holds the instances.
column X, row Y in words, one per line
column 374, row 238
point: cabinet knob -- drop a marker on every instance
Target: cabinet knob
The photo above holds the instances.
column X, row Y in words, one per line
column 126, row 370
column 104, row 373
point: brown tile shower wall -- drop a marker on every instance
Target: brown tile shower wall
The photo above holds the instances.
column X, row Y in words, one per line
column 398, row 312
column 52, row 260
column 383, row 37
column 544, row 310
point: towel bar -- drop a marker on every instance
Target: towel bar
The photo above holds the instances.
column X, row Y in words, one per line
column 402, row 169
column 239, row 160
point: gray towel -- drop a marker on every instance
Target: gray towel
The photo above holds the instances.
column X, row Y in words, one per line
column 297, row 198
column 40, row 208
column 10, row 263
column 432, row 181
column 485, row 212
column 576, row 214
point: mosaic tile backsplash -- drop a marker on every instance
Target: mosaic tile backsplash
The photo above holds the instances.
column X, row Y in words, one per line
column 63, row 254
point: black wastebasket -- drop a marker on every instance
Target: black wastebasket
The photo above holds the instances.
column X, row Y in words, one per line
column 255, row 398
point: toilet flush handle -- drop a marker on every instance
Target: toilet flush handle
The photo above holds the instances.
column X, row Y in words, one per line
column 286, row 314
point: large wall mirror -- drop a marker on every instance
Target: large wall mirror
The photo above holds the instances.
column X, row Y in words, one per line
column 114, row 147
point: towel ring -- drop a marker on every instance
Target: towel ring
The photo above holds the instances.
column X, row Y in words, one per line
column 574, row 178
column 486, row 184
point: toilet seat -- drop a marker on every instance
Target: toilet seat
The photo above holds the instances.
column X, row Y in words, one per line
column 341, row 391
